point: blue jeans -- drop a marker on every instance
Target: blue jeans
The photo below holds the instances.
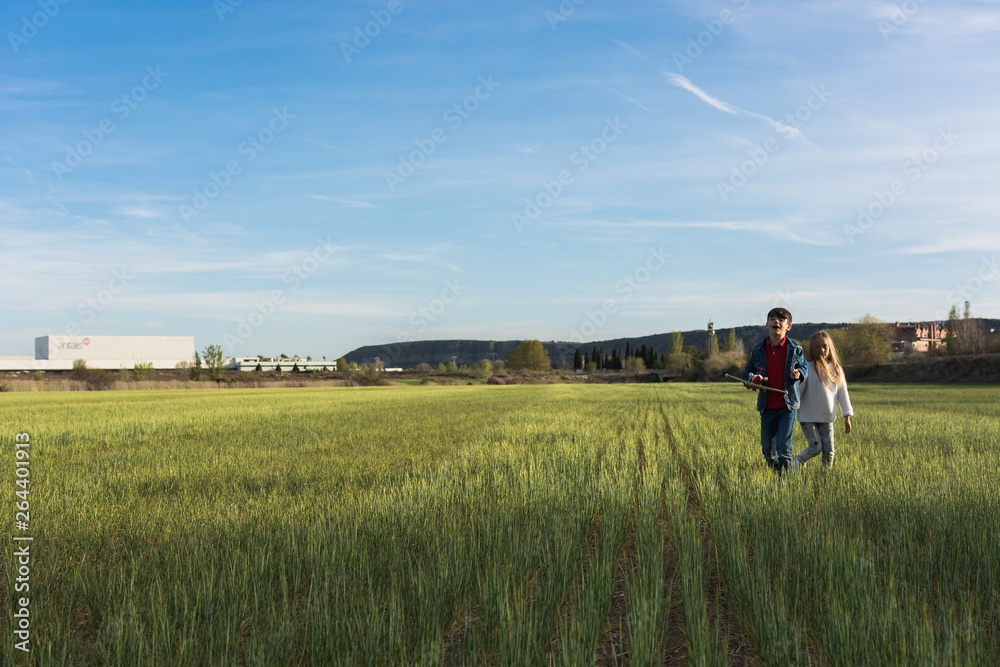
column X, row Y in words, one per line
column 777, row 426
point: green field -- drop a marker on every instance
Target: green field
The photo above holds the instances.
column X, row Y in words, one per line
column 519, row 525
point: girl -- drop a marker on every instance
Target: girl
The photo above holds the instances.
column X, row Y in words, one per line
column 825, row 388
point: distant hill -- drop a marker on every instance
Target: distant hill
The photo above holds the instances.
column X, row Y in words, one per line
column 408, row 355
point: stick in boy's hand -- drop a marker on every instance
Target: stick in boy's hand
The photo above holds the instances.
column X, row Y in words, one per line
column 751, row 384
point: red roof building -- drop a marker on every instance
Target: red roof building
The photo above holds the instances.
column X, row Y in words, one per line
column 918, row 336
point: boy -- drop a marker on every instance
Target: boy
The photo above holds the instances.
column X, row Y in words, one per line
column 777, row 362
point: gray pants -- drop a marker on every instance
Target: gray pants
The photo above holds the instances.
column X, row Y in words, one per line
column 819, row 437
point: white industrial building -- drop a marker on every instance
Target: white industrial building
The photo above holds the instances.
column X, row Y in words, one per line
column 57, row 353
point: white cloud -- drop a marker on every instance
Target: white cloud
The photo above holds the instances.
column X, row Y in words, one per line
column 683, row 82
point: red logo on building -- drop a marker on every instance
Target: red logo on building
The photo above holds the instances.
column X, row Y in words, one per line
column 86, row 341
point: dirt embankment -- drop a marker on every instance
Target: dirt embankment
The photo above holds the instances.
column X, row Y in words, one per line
column 971, row 369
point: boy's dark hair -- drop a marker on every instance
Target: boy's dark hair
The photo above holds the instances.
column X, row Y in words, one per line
column 779, row 313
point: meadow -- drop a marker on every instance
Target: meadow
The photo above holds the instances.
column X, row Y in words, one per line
column 518, row 525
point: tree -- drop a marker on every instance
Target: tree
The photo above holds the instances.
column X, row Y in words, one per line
column 578, row 360
column 712, row 346
column 195, row 372
column 635, row 365
column 676, row 344
column 951, row 331
column 215, row 362
column 483, row 369
column 342, row 364
column 730, row 344
column 530, row 355
column 865, row 343
column 970, row 334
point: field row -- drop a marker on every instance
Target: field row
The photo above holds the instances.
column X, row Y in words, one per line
column 507, row 525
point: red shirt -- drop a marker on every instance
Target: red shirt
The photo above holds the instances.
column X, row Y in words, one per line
column 777, row 356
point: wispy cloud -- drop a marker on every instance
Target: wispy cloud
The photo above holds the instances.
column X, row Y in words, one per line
column 976, row 243
column 631, row 49
column 633, row 101
column 30, row 178
column 795, row 230
column 346, row 202
column 137, row 212
column 683, row 82
column 420, row 258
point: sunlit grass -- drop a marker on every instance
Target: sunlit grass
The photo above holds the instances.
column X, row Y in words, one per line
column 470, row 525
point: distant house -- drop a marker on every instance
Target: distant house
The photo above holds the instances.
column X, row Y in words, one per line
column 918, row 337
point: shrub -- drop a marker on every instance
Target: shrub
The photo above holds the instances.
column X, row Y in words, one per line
column 370, row 377
column 495, row 380
column 144, row 371
column 37, row 375
column 483, row 369
column 195, row 371
column 716, row 366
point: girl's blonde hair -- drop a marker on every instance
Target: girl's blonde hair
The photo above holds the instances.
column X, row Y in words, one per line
column 830, row 372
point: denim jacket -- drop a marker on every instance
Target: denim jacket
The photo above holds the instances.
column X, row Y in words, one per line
column 757, row 362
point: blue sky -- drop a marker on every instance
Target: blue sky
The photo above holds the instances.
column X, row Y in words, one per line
column 267, row 176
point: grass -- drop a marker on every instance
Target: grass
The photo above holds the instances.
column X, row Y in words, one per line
column 511, row 525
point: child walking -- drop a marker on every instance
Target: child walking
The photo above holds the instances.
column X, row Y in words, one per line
column 825, row 388
column 777, row 362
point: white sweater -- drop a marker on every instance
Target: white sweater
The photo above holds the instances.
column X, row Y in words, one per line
column 819, row 402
